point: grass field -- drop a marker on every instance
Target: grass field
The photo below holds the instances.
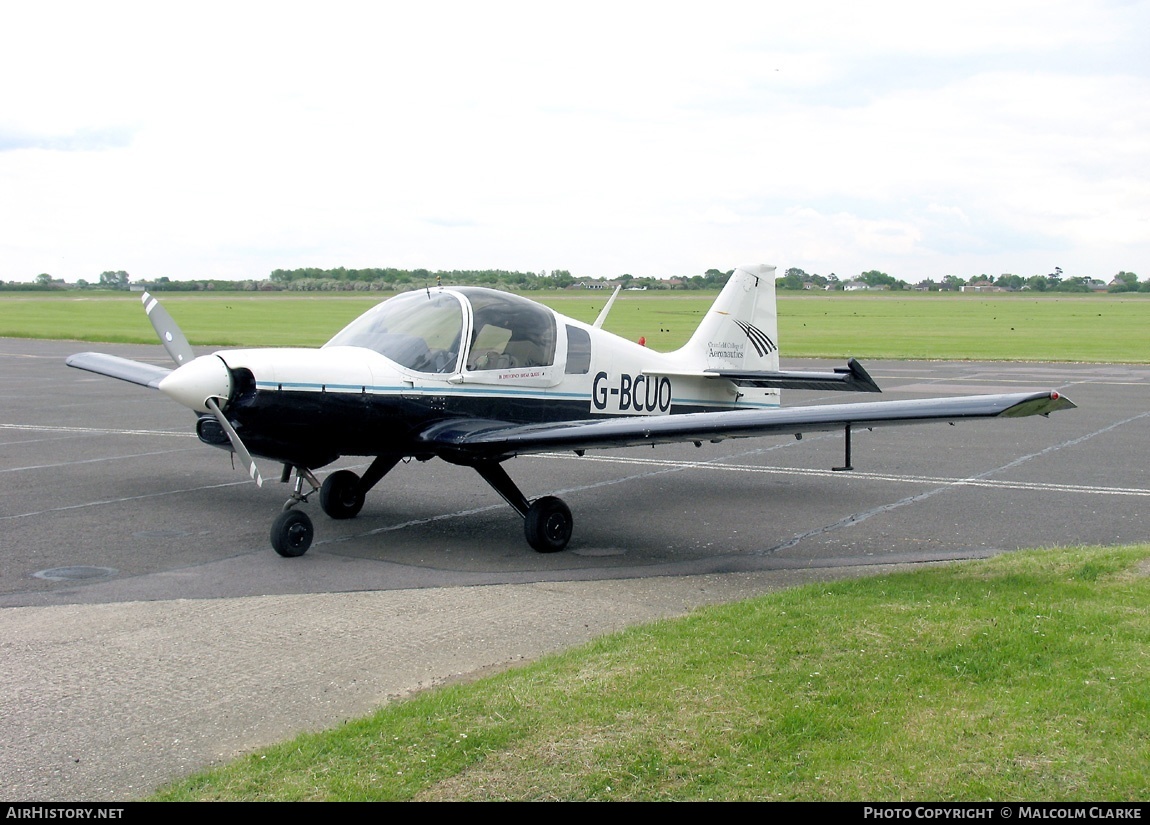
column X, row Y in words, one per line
column 1093, row 328
column 1021, row 677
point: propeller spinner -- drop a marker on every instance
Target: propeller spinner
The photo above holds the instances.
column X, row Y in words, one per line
column 198, row 383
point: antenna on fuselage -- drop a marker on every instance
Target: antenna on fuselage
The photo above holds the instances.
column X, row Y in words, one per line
column 603, row 315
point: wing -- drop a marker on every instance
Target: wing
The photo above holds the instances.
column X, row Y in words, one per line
column 467, row 440
column 137, row 372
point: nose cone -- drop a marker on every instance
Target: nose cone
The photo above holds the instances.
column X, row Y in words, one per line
column 197, row 381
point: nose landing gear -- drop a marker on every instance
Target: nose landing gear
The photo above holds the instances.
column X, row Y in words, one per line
column 341, row 496
column 292, row 531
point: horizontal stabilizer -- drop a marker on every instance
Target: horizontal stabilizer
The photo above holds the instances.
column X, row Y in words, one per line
column 851, row 378
column 113, row 366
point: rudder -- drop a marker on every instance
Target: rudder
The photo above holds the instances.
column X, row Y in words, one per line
column 741, row 329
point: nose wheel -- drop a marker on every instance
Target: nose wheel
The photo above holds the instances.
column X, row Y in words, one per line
column 292, row 533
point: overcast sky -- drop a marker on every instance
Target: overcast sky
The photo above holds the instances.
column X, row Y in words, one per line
column 205, row 140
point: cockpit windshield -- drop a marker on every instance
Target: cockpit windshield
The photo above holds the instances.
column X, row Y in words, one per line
column 420, row 330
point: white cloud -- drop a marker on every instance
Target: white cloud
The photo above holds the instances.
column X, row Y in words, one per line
column 661, row 139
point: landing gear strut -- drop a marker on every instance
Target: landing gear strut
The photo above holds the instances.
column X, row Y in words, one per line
column 547, row 521
column 292, row 531
column 341, row 496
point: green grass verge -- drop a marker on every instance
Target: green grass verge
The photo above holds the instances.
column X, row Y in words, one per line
column 1023, row 677
column 1093, row 328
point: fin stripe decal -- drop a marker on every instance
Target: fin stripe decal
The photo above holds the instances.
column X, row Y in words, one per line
column 761, row 341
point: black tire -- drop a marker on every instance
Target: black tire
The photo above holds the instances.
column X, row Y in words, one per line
column 548, row 525
column 292, row 532
column 340, row 495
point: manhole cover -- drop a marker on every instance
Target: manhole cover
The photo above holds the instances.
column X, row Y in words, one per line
column 76, row 574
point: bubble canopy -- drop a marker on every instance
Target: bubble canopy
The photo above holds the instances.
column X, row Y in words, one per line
column 425, row 330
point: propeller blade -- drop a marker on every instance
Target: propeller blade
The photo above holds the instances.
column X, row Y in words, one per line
column 237, row 442
column 173, row 339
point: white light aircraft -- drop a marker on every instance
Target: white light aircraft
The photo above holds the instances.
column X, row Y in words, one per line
column 477, row 376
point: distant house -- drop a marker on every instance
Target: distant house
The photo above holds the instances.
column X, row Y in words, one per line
column 594, row 285
column 983, row 286
column 863, row 286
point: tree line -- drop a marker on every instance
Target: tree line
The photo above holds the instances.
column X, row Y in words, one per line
column 795, row 278
column 341, row 279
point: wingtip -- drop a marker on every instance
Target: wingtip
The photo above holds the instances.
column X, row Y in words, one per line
column 1062, row 402
column 1039, row 404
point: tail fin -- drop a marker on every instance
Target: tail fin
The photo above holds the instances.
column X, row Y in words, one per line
column 741, row 329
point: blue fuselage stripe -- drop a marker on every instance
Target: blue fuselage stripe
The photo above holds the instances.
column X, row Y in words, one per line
column 483, row 392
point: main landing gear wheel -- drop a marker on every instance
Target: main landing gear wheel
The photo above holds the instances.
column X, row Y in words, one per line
column 341, row 495
column 548, row 525
column 292, row 532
